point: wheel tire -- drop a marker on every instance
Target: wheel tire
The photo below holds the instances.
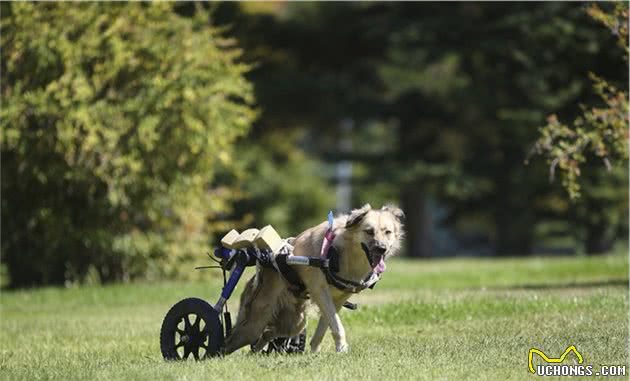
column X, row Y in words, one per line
column 192, row 336
column 300, row 341
column 285, row 345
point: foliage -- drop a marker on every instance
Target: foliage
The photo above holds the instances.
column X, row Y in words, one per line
column 115, row 120
column 282, row 185
column 120, row 124
column 616, row 20
column 444, row 99
column 600, row 131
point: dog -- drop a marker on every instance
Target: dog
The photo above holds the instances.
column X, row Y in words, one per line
column 364, row 239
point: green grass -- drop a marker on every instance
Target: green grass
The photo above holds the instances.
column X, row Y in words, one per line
column 437, row 319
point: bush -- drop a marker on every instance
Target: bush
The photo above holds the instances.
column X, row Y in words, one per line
column 115, row 120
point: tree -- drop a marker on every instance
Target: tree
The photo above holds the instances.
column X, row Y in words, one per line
column 116, row 118
column 596, row 139
column 445, row 100
column 601, row 131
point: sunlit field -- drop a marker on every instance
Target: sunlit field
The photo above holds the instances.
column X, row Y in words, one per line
column 436, row 319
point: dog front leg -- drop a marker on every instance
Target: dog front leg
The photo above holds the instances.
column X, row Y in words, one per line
column 318, row 336
column 324, row 301
column 322, row 326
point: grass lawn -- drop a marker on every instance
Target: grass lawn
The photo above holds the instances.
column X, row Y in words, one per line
column 439, row 319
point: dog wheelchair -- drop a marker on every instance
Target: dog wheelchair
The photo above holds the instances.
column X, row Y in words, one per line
column 195, row 327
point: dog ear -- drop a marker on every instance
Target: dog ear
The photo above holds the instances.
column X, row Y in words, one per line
column 396, row 211
column 357, row 215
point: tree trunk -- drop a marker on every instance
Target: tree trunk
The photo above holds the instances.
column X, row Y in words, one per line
column 598, row 241
column 417, row 222
column 514, row 224
column 514, row 234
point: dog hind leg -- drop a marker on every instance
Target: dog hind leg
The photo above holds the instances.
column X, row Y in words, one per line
column 256, row 311
column 288, row 321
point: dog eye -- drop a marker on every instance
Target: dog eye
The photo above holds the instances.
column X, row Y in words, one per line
column 388, row 232
column 369, row 231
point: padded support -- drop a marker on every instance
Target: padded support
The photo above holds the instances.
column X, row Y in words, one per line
column 246, row 239
column 269, row 239
column 228, row 240
column 266, row 238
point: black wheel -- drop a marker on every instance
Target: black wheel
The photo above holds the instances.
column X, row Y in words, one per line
column 191, row 326
column 298, row 343
column 295, row 344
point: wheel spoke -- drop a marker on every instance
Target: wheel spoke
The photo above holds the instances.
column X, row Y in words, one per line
column 195, row 325
column 179, row 344
column 186, row 352
column 180, row 331
column 186, row 323
column 196, row 353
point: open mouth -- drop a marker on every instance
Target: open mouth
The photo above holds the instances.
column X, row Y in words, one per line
column 377, row 261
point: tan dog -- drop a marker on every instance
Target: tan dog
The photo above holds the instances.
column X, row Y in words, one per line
column 268, row 309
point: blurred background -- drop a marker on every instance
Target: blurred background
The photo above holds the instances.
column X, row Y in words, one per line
column 134, row 135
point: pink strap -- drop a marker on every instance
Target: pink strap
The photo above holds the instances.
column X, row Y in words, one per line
column 328, row 239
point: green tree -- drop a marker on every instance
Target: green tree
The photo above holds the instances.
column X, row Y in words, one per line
column 281, row 185
column 115, row 120
column 476, row 106
column 601, row 130
column 444, row 99
column 597, row 139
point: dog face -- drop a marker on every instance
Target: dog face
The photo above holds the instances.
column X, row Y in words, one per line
column 380, row 230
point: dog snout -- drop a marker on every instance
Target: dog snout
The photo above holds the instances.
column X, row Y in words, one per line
column 379, row 248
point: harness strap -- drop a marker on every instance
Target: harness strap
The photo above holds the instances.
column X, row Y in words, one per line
column 343, row 284
column 328, row 262
column 329, row 237
column 330, row 267
column 296, row 286
column 328, row 252
column 346, row 284
column 279, row 263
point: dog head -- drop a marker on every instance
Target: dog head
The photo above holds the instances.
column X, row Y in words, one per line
column 380, row 230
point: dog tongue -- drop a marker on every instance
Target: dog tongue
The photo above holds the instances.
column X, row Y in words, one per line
column 380, row 267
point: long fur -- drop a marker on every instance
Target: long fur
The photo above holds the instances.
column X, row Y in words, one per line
column 268, row 309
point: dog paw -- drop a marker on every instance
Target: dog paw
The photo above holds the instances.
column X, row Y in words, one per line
column 315, row 348
column 343, row 348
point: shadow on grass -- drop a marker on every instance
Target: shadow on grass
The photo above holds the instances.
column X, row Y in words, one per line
column 587, row 284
